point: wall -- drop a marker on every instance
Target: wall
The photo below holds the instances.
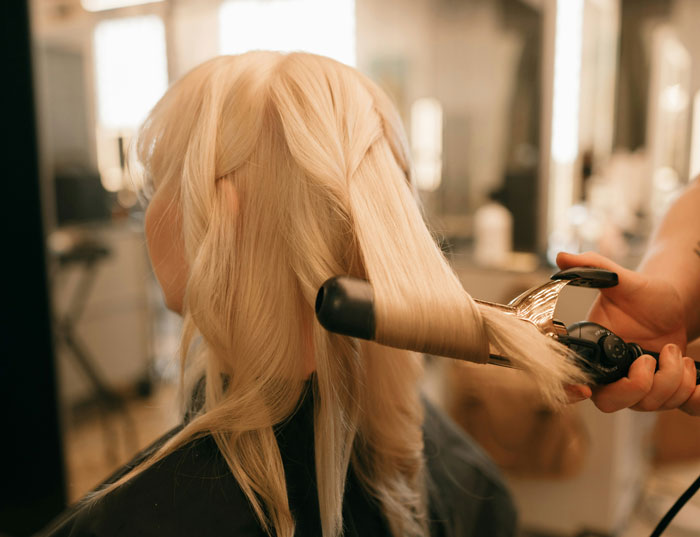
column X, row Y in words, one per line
column 463, row 54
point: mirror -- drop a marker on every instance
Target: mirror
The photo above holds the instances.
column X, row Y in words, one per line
column 535, row 125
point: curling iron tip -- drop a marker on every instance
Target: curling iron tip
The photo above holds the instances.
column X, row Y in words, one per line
column 346, row 305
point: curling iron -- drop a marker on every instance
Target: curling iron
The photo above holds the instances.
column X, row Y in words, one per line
column 345, row 305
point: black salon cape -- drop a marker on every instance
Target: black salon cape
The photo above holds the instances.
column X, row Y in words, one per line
column 192, row 493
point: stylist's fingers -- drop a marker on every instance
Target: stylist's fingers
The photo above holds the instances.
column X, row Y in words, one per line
column 686, row 387
column 692, row 405
column 629, row 390
column 667, row 380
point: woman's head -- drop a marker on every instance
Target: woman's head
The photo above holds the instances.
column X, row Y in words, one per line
column 281, row 171
column 262, row 146
column 272, row 173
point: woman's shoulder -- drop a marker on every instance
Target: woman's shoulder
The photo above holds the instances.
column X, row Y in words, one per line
column 467, row 493
column 175, row 496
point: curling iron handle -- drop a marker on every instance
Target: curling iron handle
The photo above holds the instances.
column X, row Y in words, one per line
column 638, row 351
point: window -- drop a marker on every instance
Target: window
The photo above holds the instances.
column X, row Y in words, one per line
column 325, row 27
column 130, row 76
column 130, row 69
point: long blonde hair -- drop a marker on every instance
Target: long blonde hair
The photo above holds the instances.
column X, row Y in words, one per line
column 317, row 156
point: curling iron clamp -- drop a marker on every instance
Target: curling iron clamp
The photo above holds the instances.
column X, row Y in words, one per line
column 345, row 305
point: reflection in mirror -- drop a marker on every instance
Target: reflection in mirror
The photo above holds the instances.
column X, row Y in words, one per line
column 480, row 61
column 466, row 79
column 668, row 120
column 98, row 75
column 101, row 67
column 584, row 73
column 695, row 140
column 533, row 124
column 317, row 26
column 622, row 175
column 125, row 50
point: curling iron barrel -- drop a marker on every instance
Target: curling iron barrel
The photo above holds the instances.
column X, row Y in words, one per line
column 345, row 305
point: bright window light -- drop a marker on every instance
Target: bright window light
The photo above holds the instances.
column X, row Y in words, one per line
column 130, row 69
column 567, row 80
column 695, row 139
column 102, row 5
column 325, row 27
column 426, row 143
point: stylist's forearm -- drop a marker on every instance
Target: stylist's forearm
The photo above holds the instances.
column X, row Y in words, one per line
column 674, row 253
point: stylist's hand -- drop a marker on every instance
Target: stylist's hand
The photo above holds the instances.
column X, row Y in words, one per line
column 647, row 311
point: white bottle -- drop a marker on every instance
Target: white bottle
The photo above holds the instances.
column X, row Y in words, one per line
column 493, row 235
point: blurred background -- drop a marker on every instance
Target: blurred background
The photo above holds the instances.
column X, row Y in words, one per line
column 536, row 126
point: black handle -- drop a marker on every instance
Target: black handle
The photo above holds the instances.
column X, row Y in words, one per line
column 638, row 351
column 604, row 355
column 345, row 305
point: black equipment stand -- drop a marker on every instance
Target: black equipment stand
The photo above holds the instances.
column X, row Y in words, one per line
column 88, row 254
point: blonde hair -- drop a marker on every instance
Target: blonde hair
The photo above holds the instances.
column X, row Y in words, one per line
column 317, row 156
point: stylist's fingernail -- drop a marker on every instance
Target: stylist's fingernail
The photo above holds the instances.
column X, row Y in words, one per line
column 650, row 363
column 667, row 349
column 675, row 351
